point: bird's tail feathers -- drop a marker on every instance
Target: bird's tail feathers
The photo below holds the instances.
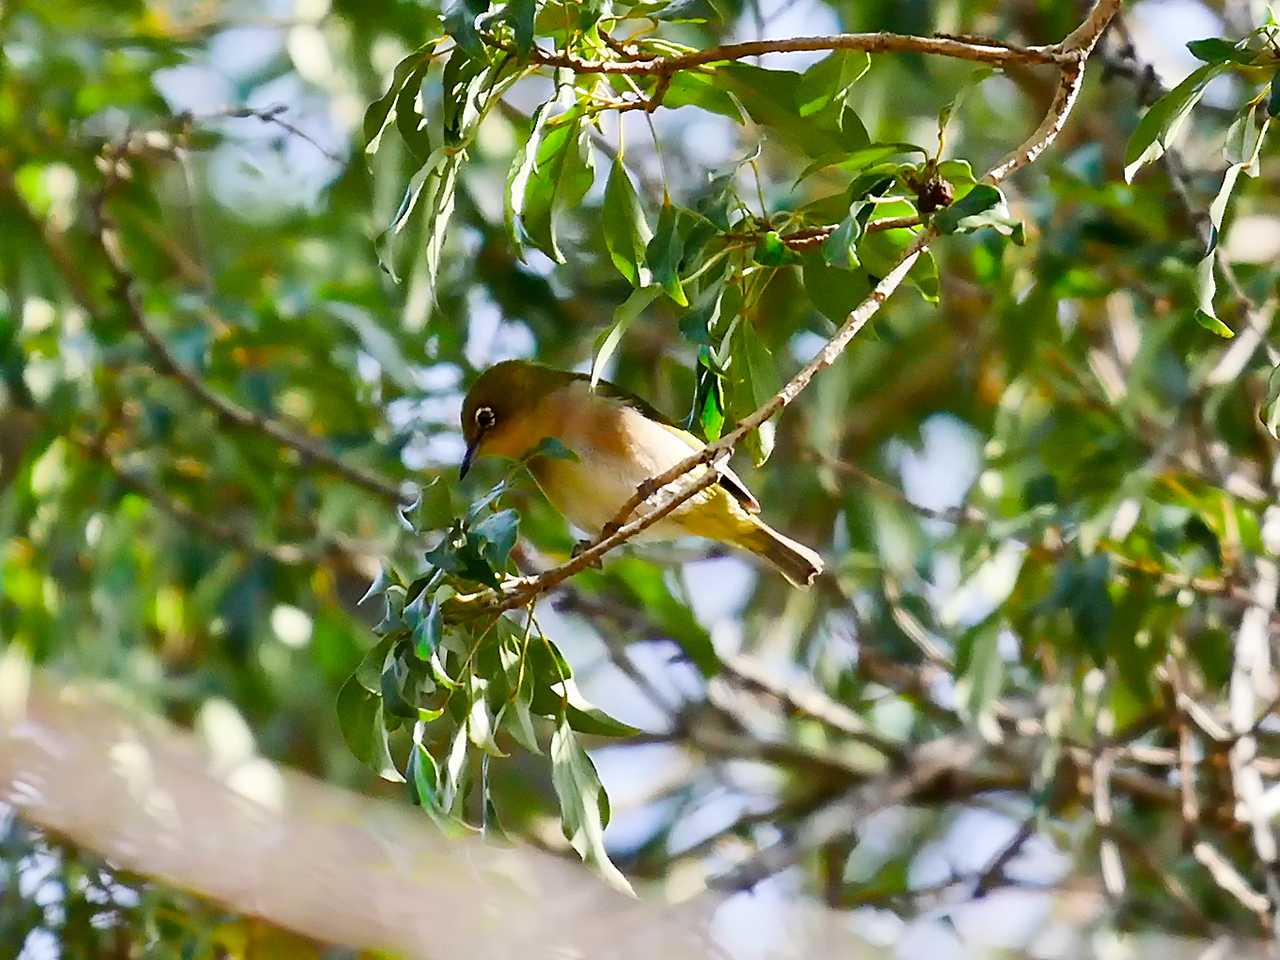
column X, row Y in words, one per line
column 800, row 565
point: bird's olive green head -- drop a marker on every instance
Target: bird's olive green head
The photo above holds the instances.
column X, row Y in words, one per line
column 496, row 409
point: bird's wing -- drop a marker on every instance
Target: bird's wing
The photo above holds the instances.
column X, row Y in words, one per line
column 728, row 479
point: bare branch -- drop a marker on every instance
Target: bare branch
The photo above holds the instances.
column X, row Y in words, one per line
column 635, row 64
column 107, row 239
column 1226, row 876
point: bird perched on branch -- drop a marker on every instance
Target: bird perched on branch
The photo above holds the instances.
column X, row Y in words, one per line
column 619, row 441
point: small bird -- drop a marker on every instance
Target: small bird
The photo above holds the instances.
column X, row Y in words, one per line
column 619, row 442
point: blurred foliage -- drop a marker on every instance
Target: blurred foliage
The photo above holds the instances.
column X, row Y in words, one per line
column 1044, row 488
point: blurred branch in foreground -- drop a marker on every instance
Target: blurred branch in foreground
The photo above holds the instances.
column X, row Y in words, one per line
column 273, row 843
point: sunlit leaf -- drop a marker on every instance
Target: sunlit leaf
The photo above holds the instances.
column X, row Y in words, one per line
column 584, row 806
column 1160, row 125
column 626, row 232
column 623, row 317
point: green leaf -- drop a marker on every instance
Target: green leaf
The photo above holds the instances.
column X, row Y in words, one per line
column 626, row 232
column 855, row 162
column 770, row 98
column 369, row 671
column 459, row 553
column 959, row 173
column 425, row 777
column 1082, row 589
column 378, row 114
column 460, row 23
column 1269, row 412
column 695, row 88
column 395, row 681
column 710, row 411
column 1244, row 142
column 479, row 722
column 432, row 509
column 983, row 206
column 562, row 173
column 1273, row 99
column 425, row 180
column 665, row 252
column 360, row 719
column 1210, row 321
column 772, row 251
column 1159, row 126
column 630, row 308
column 584, row 806
column 393, row 609
column 554, row 448
column 596, row 723
column 410, row 123
column 697, row 323
column 835, row 292
column 975, row 77
column 753, row 379
column 464, row 78
column 518, row 719
column 829, row 80
column 478, row 507
column 427, row 634
column 497, row 534
column 840, row 249
column 523, row 167
column 454, row 770
column 439, row 673
column 520, row 14
column 717, row 197
column 1218, row 50
column 548, row 663
column 386, row 578
column 980, row 671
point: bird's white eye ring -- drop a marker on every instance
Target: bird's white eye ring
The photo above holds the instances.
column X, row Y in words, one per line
column 485, row 418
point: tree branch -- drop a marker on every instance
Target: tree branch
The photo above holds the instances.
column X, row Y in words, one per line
column 233, row 536
column 635, row 64
column 106, row 238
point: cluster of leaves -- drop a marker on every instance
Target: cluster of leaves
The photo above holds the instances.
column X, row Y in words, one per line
column 1255, row 57
column 456, row 683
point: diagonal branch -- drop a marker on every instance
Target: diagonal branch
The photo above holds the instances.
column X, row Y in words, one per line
column 107, row 238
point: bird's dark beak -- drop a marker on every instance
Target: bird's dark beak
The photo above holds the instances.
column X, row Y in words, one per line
column 467, row 458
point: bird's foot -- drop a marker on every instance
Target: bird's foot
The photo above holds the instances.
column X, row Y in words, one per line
column 579, row 547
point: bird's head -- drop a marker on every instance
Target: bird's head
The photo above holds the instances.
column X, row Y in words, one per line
column 498, row 408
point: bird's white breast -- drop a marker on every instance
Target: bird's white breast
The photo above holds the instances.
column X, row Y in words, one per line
column 618, row 448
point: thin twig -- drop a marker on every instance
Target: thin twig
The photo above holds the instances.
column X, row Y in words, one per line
column 866, row 42
column 270, row 115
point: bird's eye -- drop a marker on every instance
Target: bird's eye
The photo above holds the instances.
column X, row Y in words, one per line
column 486, row 418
